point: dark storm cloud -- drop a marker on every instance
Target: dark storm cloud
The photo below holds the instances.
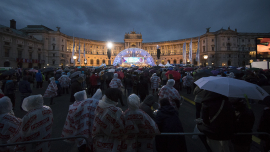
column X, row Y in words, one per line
column 157, row 20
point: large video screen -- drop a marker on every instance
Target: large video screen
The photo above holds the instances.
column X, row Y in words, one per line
column 263, row 48
column 133, row 59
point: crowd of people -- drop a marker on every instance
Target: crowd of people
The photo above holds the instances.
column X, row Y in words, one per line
column 108, row 128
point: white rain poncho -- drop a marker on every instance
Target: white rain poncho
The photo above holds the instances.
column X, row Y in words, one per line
column 231, row 75
column 168, row 91
column 115, row 82
column 80, row 96
column 51, row 90
column 79, row 121
column 188, row 80
column 36, row 125
column 64, row 81
column 155, row 80
column 9, row 124
column 140, row 128
column 108, row 126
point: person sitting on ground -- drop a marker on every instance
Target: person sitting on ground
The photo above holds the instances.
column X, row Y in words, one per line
column 168, row 91
column 146, row 105
column 36, row 125
column 138, row 138
column 83, row 111
column 116, row 82
column 9, row 124
column 167, row 119
column 244, row 123
column 108, row 125
column 51, row 91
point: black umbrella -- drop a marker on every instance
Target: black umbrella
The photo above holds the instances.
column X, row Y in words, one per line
column 48, row 70
column 201, row 74
column 109, row 75
column 9, row 72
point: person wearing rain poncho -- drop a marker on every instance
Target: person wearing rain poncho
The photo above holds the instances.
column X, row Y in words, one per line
column 51, row 90
column 140, row 128
column 9, row 124
column 108, row 128
column 116, row 82
column 168, row 91
column 36, row 125
column 82, row 111
column 155, row 80
column 231, row 75
column 188, row 80
column 64, row 82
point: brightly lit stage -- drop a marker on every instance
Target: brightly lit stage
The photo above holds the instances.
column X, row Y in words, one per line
column 133, row 56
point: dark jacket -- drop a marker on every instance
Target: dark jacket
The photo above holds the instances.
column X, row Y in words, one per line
column 264, row 125
column 222, row 128
column 76, row 86
column 9, row 87
column 128, row 83
column 146, row 105
column 168, row 121
column 24, row 87
column 39, row 76
column 244, row 123
column 143, row 87
column 58, row 75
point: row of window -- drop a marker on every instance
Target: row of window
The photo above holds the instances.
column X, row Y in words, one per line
column 7, row 54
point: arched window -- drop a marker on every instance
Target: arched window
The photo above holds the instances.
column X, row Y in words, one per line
column 174, row 61
column 181, row 61
column 97, row 61
column 228, row 46
column 91, row 61
column 169, row 61
column 103, row 61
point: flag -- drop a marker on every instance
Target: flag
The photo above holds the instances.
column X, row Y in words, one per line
column 198, row 52
column 184, row 53
column 84, row 53
column 79, row 57
column 190, row 52
column 72, row 60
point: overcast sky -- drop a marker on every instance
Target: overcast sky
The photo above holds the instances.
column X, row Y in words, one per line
column 157, row 20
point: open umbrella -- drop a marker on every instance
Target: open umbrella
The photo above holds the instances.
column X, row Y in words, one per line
column 231, row 87
column 48, row 70
column 176, row 75
column 9, row 72
column 33, row 70
column 201, row 74
column 109, row 75
column 188, row 69
column 215, row 72
column 120, row 75
column 75, row 74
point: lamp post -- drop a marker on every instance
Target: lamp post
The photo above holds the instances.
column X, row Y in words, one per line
column 205, row 58
column 74, row 57
column 109, row 53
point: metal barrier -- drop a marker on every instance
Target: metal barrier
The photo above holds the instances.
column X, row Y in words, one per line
column 181, row 134
column 44, row 140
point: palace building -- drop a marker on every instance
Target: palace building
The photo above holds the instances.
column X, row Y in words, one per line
column 40, row 46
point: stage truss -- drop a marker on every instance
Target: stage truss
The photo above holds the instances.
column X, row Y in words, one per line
column 134, row 52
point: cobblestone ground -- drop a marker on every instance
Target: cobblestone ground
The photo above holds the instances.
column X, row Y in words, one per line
column 186, row 114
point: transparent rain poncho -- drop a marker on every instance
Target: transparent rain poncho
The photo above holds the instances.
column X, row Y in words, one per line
column 80, row 118
column 168, row 91
column 108, row 126
column 80, row 96
column 36, row 125
column 115, row 82
column 140, row 128
column 9, row 124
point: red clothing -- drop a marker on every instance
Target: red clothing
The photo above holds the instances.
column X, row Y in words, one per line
column 93, row 79
column 1, row 95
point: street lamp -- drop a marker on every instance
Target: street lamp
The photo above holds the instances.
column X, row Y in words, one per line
column 74, row 57
column 109, row 45
column 205, row 57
